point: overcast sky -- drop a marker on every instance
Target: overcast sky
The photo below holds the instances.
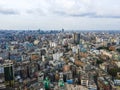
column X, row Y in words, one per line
column 58, row 14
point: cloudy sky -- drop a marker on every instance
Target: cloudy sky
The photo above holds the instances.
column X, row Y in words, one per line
column 57, row 14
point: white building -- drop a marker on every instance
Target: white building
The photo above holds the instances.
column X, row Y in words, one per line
column 52, row 44
column 57, row 56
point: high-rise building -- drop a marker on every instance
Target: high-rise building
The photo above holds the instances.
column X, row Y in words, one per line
column 62, row 30
column 8, row 73
column 76, row 37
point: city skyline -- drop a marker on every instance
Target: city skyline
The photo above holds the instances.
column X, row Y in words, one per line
column 55, row 14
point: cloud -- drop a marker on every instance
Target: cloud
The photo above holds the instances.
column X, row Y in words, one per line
column 37, row 11
column 60, row 13
column 91, row 14
column 98, row 16
column 72, row 8
column 94, row 15
column 86, row 8
column 8, row 11
column 71, row 14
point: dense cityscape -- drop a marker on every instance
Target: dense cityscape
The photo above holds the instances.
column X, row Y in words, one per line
column 59, row 45
column 59, row 60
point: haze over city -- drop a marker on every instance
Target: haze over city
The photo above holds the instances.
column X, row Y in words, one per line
column 57, row 14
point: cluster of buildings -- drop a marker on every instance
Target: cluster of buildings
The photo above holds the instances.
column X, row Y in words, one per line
column 33, row 60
